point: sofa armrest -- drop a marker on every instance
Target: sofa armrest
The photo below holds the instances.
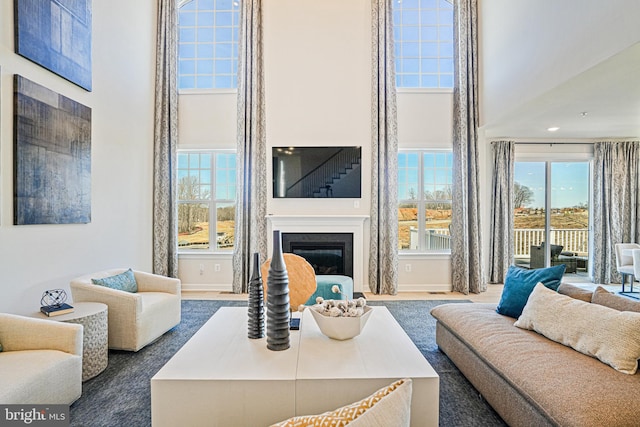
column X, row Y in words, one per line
column 83, row 291
column 24, row 333
column 148, row 282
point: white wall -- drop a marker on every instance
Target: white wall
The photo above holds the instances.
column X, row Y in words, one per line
column 40, row 257
column 317, row 92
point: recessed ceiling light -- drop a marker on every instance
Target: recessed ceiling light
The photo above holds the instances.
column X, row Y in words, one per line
column 553, row 129
column 584, row 114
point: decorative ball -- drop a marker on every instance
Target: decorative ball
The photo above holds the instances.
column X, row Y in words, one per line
column 53, row 298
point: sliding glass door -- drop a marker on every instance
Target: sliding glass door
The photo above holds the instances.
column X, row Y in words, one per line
column 551, row 204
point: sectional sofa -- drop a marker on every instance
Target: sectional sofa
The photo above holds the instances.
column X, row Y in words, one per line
column 532, row 380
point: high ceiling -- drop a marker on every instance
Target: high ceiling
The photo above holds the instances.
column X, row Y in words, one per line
column 573, row 64
column 601, row 102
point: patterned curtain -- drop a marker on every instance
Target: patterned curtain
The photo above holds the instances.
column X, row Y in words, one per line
column 466, row 242
column 501, row 244
column 616, row 204
column 165, row 246
column 251, row 186
column 383, row 253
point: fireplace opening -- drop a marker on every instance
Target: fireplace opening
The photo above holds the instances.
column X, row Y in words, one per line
column 328, row 253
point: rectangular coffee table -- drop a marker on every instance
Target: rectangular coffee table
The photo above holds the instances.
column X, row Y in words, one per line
column 222, row 378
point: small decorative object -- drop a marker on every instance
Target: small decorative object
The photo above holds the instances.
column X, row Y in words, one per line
column 278, row 310
column 53, row 303
column 256, row 301
column 341, row 319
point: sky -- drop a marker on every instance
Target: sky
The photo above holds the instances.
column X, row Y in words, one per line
column 569, row 183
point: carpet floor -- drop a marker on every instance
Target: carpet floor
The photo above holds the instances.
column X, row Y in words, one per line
column 121, row 395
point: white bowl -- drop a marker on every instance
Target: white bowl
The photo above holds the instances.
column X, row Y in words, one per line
column 341, row 328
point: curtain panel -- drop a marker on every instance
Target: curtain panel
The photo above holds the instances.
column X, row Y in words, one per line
column 501, row 240
column 251, row 187
column 165, row 229
column 466, row 241
column 383, row 252
column 616, row 205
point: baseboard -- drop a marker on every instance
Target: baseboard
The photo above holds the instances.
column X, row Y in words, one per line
column 216, row 287
column 445, row 287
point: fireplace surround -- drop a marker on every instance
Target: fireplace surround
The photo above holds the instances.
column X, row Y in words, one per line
column 321, row 226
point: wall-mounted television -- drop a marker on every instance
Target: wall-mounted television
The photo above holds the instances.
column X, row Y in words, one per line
column 317, row 172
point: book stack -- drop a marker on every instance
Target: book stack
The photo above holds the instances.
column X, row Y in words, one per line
column 56, row 310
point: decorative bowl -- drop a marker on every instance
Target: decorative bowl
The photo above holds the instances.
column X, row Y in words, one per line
column 341, row 328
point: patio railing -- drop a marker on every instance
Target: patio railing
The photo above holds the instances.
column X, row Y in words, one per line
column 572, row 239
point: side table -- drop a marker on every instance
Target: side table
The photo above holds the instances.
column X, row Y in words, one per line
column 95, row 338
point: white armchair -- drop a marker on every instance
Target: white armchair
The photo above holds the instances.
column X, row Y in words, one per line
column 135, row 319
column 41, row 361
column 624, row 262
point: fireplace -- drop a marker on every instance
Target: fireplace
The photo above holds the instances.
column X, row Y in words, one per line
column 328, row 253
column 318, row 225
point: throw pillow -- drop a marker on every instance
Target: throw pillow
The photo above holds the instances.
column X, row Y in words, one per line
column 603, row 297
column 388, row 407
column 575, row 292
column 519, row 283
column 610, row 335
column 123, row 282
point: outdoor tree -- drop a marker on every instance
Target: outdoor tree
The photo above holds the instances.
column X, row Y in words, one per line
column 522, row 195
column 190, row 214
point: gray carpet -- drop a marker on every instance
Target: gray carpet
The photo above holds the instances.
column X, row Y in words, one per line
column 121, row 395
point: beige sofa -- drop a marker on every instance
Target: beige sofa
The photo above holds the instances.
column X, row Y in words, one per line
column 41, row 361
column 135, row 318
column 530, row 380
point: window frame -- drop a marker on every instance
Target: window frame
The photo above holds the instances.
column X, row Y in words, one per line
column 213, row 202
column 421, row 201
column 422, row 42
column 235, row 28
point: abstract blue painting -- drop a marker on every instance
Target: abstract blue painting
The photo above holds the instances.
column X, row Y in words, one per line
column 56, row 34
column 52, row 157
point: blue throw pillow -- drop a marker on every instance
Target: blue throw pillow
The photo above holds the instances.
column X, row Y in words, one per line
column 122, row 282
column 519, row 283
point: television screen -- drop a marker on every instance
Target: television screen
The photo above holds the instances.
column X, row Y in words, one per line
column 316, row 172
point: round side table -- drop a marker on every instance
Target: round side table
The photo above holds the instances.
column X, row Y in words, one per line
column 95, row 338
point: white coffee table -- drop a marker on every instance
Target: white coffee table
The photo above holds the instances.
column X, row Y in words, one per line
column 222, row 378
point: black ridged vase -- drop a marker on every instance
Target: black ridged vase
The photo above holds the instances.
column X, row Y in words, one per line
column 277, row 299
column 256, row 301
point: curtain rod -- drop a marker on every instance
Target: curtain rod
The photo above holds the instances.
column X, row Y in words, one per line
column 555, row 143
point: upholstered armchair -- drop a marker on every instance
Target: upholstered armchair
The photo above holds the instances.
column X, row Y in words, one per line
column 135, row 318
column 624, row 261
column 41, row 361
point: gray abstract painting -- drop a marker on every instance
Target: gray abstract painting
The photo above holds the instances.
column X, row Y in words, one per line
column 56, row 34
column 52, row 157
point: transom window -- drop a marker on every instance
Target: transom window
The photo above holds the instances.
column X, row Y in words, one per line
column 423, row 34
column 424, row 200
column 206, row 196
column 208, row 44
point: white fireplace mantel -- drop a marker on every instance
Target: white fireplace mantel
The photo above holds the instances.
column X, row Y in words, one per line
column 326, row 224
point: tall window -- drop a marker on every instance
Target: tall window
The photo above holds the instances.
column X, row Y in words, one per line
column 424, row 199
column 206, row 200
column 423, row 34
column 208, row 44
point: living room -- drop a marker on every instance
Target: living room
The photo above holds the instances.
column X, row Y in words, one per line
column 541, row 65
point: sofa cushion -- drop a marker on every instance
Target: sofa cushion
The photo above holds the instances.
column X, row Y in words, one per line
column 575, row 292
column 519, row 283
column 123, row 282
column 38, row 376
column 610, row 335
column 603, row 297
column 388, row 407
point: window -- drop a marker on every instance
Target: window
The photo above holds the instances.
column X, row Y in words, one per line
column 208, row 44
column 206, row 195
column 423, row 34
column 424, row 200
